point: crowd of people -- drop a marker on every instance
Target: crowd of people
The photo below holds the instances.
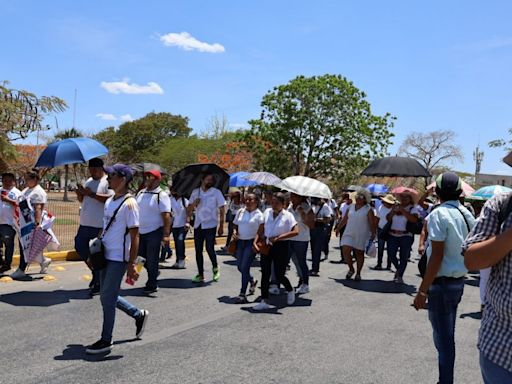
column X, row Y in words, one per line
column 278, row 228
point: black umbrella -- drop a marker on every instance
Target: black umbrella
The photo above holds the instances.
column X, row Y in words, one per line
column 189, row 178
column 395, row 166
column 146, row 167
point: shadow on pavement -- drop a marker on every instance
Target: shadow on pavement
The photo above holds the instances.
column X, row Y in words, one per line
column 77, row 352
column 45, row 298
column 378, row 286
column 278, row 303
column 472, row 315
column 181, row 283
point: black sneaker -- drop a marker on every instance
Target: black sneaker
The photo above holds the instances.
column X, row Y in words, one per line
column 101, row 346
column 4, row 268
column 148, row 290
column 140, row 323
column 95, row 290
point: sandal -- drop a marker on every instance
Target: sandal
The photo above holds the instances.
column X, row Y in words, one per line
column 349, row 275
column 252, row 288
column 241, row 300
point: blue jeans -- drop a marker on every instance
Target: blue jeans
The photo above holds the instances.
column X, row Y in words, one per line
column 245, row 257
column 380, row 250
column 149, row 248
column 7, row 234
column 492, row 373
column 318, row 235
column 178, row 235
column 82, row 238
column 202, row 236
column 298, row 252
column 405, row 245
column 110, row 283
column 443, row 298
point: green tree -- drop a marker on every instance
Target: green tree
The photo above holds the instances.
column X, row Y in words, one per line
column 502, row 143
column 61, row 135
column 21, row 113
column 142, row 139
column 320, row 126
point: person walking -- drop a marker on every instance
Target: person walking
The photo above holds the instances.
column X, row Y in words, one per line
column 305, row 218
column 9, row 196
column 359, row 222
column 399, row 238
column 36, row 197
column 180, row 224
column 318, row 233
column 120, row 238
column 384, row 209
column 235, row 203
column 443, row 283
column 209, row 206
column 335, row 213
column 155, row 225
column 279, row 227
column 92, row 197
column 248, row 221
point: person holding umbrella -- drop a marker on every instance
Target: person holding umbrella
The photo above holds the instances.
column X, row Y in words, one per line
column 359, row 222
column 209, row 205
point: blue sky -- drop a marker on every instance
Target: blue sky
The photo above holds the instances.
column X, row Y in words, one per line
column 434, row 65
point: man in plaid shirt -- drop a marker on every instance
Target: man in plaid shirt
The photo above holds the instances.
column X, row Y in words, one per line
column 489, row 244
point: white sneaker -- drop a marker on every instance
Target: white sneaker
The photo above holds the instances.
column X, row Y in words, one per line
column 18, row 274
column 274, row 290
column 304, row 288
column 45, row 264
column 261, row 306
column 290, row 299
column 181, row 264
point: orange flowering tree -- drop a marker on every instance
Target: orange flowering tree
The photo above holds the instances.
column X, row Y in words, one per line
column 234, row 157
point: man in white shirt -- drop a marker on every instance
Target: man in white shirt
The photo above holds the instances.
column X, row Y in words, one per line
column 208, row 203
column 155, row 225
column 92, row 196
column 180, row 224
column 8, row 200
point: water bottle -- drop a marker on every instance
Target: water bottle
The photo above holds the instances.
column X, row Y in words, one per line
column 139, row 263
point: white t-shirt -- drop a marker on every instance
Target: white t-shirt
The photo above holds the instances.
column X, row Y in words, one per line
column 91, row 213
column 179, row 212
column 284, row 222
column 325, row 211
column 344, row 208
column 7, row 209
column 400, row 221
column 382, row 212
column 207, row 215
column 35, row 195
column 248, row 223
column 304, row 231
column 117, row 240
column 152, row 203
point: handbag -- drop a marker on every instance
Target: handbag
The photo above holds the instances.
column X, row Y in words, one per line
column 263, row 246
column 232, row 247
column 97, row 249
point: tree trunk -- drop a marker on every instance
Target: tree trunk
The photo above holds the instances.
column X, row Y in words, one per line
column 66, row 180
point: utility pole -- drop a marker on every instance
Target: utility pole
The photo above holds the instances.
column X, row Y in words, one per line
column 478, row 157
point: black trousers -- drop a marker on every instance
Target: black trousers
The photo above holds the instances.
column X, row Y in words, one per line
column 280, row 256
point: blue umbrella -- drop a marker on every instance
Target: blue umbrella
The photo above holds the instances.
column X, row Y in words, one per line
column 237, row 180
column 70, row 151
column 377, row 189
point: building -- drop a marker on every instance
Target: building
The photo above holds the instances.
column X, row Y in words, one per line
column 483, row 179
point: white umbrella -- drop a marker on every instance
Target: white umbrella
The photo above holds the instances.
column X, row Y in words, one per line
column 306, row 186
column 263, row 178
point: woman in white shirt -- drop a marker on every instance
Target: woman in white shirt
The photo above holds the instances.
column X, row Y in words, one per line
column 323, row 216
column 279, row 227
column 37, row 198
column 248, row 221
column 180, row 223
column 399, row 237
column 359, row 222
column 235, row 203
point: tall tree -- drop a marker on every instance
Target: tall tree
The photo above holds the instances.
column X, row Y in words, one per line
column 432, row 149
column 320, row 126
column 142, row 139
column 61, row 135
column 502, row 143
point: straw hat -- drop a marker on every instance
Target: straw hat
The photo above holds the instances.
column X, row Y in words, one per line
column 389, row 198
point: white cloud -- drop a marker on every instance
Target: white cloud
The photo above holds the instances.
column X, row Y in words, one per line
column 126, row 117
column 117, row 87
column 106, row 116
column 187, row 42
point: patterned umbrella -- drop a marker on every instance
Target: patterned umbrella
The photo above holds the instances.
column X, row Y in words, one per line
column 486, row 193
column 263, row 178
column 306, row 186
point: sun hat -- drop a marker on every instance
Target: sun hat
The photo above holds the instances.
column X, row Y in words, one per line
column 389, row 198
column 120, row 169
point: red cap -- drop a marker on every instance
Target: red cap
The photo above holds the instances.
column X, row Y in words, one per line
column 155, row 173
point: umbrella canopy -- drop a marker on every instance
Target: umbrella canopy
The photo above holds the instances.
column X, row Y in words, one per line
column 146, row 167
column 237, row 180
column 306, row 186
column 263, row 178
column 352, row 188
column 486, row 193
column 377, row 189
column 466, row 188
column 395, row 166
column 189, row 178
column 409, row 191
column 70, row 151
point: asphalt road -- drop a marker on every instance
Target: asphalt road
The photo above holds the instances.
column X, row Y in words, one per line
column 341, row 332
